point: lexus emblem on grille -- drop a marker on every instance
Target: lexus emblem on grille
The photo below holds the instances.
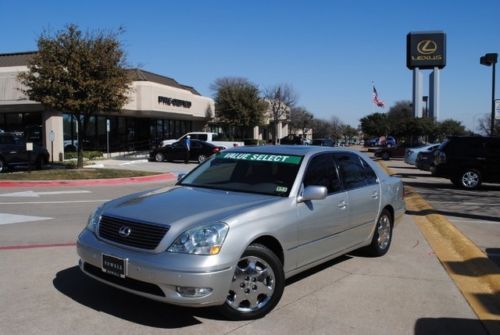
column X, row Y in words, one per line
column 124, row 231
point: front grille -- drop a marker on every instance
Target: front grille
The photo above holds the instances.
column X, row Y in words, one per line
column 132, row 284
column 142, row 235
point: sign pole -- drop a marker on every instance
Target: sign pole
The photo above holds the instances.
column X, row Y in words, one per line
column 492, row 131
column 107, row 135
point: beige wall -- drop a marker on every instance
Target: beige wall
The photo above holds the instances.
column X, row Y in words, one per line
column 144, row 96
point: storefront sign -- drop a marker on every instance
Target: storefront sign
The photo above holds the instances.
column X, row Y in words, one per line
column 174, row 102
column 426, row 50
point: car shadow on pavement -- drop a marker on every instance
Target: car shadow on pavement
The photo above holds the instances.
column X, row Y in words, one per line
column 316, row 269
column 453, row 326
column 103, row 298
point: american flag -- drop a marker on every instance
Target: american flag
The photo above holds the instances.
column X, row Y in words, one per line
column 376, row 99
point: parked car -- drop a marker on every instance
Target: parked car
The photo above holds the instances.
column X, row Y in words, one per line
column 388, row 152
column 200, row 150
column 323, row 142
column 372, row 142
column 13, row 153
column 292, row 139
column 468, row 161
column 425, row 159
column 235, row 228
column 207, row 137
column 411, row 153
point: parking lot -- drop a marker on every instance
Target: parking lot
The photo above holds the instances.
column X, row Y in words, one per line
column 405, row 292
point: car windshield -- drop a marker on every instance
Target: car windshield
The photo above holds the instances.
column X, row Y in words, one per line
column 270, row 174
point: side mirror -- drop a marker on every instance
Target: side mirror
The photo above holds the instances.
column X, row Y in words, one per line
column 313, row 192
column 180, row 176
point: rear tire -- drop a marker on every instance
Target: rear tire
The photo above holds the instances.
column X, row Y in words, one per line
column 159, row 157
column 382, row 237
column 201, row 158
column 386, row 156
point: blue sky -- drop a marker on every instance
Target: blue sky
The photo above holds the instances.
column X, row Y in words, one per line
column 329, row 51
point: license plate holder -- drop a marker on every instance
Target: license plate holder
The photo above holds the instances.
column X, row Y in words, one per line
column 114, row 265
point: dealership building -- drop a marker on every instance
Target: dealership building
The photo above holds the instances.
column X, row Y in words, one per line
column 158, row 108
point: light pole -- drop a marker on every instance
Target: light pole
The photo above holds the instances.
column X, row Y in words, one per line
column 491, row 59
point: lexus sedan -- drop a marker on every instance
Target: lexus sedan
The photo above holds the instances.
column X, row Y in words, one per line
column 236, row 227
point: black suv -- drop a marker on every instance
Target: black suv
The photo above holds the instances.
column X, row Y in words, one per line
column 13, row 153
column 468, row 161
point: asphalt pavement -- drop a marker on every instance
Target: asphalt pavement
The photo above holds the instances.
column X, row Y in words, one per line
column 408, row 291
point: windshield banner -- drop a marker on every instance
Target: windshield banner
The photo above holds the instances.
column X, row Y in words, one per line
column 261, row 157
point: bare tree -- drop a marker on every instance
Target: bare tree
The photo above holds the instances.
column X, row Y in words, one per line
column 281, row 99
column 484, row 125
column 336, row 127
column 301, row 118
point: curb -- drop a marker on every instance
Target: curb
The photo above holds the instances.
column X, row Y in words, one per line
column 90, row 182
column 474, row 274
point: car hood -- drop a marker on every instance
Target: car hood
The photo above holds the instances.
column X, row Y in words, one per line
column 182, row 207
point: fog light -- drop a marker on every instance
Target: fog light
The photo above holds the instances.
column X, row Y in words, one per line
column 193, row 292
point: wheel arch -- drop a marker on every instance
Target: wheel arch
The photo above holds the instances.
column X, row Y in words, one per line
column 272, row 244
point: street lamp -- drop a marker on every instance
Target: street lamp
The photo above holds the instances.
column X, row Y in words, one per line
column 491, row 59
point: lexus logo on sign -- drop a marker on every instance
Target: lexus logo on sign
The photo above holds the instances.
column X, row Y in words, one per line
column 426, row 50
column 427, row 47
column 124, row 231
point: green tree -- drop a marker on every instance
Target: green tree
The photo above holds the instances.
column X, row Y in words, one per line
column 82, row 74
column 449, row 127
column 349, row 133
column 238, row 104
column 374, row 125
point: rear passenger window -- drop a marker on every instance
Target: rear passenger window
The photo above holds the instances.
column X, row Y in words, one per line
column 321, row 171
column 352, row 171
column 371, row 176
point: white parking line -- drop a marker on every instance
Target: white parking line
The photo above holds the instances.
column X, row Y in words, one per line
column 6, row 218
column 53, row 202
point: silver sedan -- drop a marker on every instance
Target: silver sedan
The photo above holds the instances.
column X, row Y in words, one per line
column 232, row 230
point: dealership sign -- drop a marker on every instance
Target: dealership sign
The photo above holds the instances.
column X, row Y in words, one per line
column 426, row 50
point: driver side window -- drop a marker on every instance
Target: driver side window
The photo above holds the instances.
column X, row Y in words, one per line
column 322, row 171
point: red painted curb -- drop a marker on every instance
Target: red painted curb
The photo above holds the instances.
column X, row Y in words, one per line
column 89, row 182
column 35, row 246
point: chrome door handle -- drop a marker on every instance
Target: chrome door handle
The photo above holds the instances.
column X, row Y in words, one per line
column 342, row 204
column 375, row 195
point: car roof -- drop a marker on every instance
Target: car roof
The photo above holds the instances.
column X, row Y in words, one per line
column 297, row 150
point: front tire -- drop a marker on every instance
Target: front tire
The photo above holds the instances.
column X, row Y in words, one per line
column 382, row 237
column 386, row 156
column 257, row 285
column 470, row 179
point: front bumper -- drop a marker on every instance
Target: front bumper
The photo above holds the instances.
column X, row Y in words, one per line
column 156, row 275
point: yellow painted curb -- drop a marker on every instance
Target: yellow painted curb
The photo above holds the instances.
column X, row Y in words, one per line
column 475, row 275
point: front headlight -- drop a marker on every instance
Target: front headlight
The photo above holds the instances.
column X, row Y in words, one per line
column 94, row 219
column 202, row 240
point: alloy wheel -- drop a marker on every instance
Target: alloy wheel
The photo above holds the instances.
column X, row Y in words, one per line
column 253, row 285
